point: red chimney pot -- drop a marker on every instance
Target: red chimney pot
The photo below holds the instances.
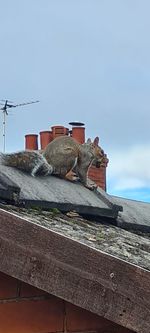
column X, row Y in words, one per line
column 31, row 141
column 59, row 131
column 78, row 133
column 45, row 138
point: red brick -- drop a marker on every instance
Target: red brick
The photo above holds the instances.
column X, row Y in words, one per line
column 98, row 175
column 32, row 316
column 8, row 286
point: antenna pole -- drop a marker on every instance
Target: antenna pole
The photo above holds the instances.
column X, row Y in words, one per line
column 4, row 131
column 5, row 107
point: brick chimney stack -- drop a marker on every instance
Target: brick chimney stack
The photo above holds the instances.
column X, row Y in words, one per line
column 98, row 174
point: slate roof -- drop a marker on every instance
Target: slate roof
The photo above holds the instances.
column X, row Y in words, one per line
column 135, row 215
column 49, row 192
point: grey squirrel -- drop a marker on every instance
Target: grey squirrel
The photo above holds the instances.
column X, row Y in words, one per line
column 65, row 154
column 60, row 156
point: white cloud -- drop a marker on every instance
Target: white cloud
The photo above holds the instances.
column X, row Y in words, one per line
column 130, row 168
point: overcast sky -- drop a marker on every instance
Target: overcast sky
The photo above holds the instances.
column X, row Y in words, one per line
column 86, row 60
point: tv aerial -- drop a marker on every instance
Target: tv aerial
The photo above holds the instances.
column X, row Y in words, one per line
column 4, row 107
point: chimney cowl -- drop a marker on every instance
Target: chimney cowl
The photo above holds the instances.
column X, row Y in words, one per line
column 76, row 123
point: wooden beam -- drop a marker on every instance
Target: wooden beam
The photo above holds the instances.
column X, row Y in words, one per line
column 91, row 279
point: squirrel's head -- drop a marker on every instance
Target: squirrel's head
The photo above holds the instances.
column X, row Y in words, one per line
column 98, row 152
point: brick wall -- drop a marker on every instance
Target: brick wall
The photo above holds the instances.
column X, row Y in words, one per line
column 25, row 309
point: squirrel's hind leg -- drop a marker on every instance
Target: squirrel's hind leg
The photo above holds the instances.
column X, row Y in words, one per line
column 47, row 169
column 35, row 169
column 42, row 167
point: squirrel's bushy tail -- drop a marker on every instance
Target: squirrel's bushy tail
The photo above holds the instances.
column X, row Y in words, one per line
column 32, row 162
column 10, row 159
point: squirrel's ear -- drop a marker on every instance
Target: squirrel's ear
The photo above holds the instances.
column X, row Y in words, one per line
column 89, row 141
column 96, row 141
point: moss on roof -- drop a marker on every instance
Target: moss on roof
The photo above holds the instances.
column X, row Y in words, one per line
column 129, row 246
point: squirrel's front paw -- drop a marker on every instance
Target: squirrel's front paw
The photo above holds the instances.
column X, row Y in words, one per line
column 91, row 186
